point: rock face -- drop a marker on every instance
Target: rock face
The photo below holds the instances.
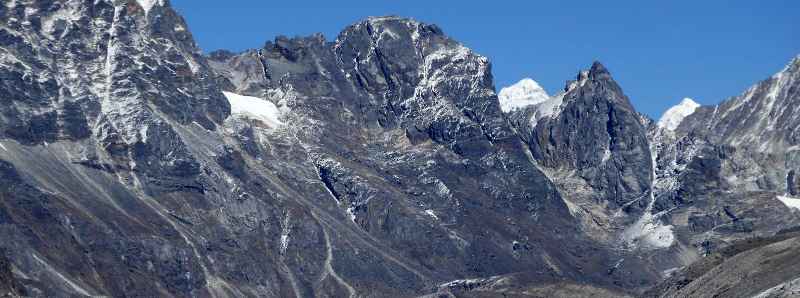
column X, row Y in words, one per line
column 9, row 286
column 380, row 162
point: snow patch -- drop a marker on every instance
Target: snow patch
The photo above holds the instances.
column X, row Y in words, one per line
column 254, row 108
column 673, row 117
column 432, row 214
column 606, row 155
column 351, row 211
column 524, row 93
column 790, row 202
column 649, row 232
column 466, row 283
column 285, row 231
column 148, row 4
column 284, row 243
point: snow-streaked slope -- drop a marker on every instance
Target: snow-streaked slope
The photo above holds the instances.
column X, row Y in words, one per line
column 648, row 230
column 673, row 117
column 524, row 93
column 253, row 108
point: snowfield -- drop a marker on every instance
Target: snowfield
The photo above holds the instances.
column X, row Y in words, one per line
column 254, row 108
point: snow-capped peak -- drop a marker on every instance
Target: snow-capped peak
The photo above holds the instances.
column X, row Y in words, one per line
column 673, row 117
column 524, row 93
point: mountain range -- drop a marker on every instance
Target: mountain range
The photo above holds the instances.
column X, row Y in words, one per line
column 382, row 163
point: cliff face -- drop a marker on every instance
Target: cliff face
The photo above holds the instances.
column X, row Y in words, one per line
column 380, row 162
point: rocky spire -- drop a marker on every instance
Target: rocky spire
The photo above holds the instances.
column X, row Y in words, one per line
column 598, row 134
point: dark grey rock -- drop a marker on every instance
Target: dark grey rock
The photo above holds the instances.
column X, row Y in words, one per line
column 391, row 168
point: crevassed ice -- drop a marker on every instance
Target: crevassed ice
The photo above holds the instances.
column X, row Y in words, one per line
column 253, row 108
column 673, row 117
column 524, row 93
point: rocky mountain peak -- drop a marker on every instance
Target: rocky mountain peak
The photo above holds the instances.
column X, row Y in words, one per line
column 390, row 24
column 598, row 71
column 391, row 30
column 593, row 136
column 597, row 76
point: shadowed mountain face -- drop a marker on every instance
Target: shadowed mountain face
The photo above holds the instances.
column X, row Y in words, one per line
column 9, row 286
column 377, row 164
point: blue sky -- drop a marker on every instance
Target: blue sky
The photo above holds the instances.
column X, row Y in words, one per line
column 659, row 51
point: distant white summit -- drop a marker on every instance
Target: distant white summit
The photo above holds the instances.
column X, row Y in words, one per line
column 524, row 93
column 673, row 117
